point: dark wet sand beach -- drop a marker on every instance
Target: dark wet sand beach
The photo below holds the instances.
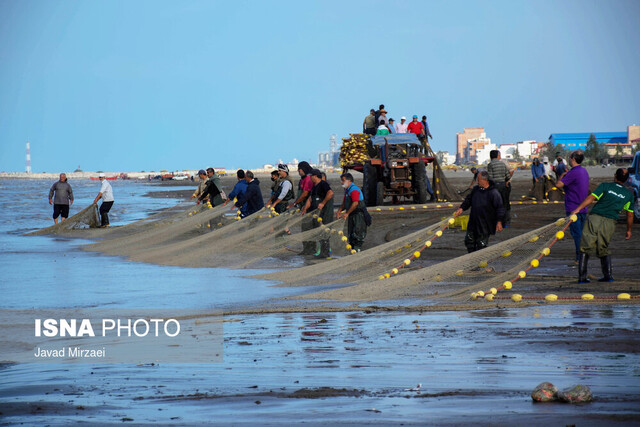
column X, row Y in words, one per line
column 289, row 361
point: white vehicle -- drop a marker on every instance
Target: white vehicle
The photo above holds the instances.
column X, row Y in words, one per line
column 181, row 177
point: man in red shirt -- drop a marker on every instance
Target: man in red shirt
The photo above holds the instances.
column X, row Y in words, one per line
column 415, row 127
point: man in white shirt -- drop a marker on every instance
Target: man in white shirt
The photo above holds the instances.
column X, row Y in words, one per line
column 106, row 194
column 402, row 126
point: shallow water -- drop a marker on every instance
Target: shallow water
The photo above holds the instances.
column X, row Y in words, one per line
column 477, row 366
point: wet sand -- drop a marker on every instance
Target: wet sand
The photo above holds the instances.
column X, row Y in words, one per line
column 321, row 362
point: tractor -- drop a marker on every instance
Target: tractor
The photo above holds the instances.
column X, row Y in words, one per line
column 396, row 168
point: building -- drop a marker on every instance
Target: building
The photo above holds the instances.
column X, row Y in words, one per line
column 578, row 141
column 468, row 142
column 483, row 154
column 331, row 158
column 445, row 158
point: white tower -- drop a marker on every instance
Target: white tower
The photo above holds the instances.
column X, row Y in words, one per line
column 28, row 168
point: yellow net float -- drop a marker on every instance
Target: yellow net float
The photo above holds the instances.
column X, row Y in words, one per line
column 474, row 295
column 506, row 254
column 545, row 251
column 424, row 207
column 348, row 247
column 624, row 296
column 378, row 209
column 407, row 261
column 459, row 273
column 340, row 233
column 551, row 297
column 427, row 243
column 587, row 297
column 533, row 239
column 320, row 219
column 438, row 278
column 219, row 224
column 416, row 254
column 353, row 251
column 401, row 208
column 344, row 238
column 516, row 297
column 535, row 263
column 483, row 264
column 451, row 221
column 522, row 274
column 560, row 235
column 480, row 294
column 381, row 277
column 439, row 233
column 493, row 291
column 488, row 297
column 507, row 285
column 387, row 275
column 573, row 217
column 394, row 271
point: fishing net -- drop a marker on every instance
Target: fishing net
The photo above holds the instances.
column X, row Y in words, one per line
column 217, row 238
column 443, row 189
column 416, row 276
column 86, row 218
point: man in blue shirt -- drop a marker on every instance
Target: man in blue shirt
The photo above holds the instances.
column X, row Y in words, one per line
column 238, row 191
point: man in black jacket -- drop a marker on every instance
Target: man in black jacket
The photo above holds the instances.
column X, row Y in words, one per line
column 253, row 196
column 486, row 215
column 210, row 189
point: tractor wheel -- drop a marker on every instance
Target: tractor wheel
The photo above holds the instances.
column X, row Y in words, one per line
column 380, row 194
column 369, row 184
column 419, row 181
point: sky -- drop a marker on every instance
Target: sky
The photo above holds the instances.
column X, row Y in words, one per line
column 151, row 85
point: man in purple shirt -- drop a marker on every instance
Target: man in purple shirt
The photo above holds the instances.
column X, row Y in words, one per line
column 576, row 188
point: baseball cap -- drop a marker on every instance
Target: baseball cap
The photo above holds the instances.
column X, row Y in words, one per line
column 201, row 172
column 415, row 117
column 391, row 120
column 101, row 175
column 403, row 118
column 316, row 172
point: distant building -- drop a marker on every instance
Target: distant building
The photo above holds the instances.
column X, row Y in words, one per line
column 329, row 159
column 525, row 149
column 633, row 134
column 468, row 142
column 445, row 158
column 578, row 141
column 483, row 154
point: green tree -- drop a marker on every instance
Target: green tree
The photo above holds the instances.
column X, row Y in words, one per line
column 594, row 150
column 636, row 147
column 618, row 151
column 516, row 155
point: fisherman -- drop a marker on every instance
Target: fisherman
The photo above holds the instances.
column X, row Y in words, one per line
column 274, row 182
column 211, row 189
column 576, row 188
column 353, row 209
column 383, row 129
column 501, row 175
column 391, row 126
column 369, row 123
column 612, row 198
column 402, row 126
column 106, row 194
column 560, row 168
column 425, row 125
column 284, row 190
column 252, row 197
column 201, row 185
column 321, row 198
column 539, row 180
column 63, row 198
column 486, row 215
column 238, row 191
column 305, row 185
column 634, row 182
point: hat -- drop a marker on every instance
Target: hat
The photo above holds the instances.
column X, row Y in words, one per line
column 101, row 175
column 403, row 118
column 391, row 120
column 283, row 167
column 201, row 172
column 415, row 117
column 383, row 111
column 316, row 172
column 545, row 159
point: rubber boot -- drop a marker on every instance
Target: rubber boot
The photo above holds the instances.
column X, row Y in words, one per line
column 583, row 260
column 308, row 248
column 607, row 273
column 325, row 249
column 319, row 249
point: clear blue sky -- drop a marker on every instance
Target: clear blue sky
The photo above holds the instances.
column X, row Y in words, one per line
column 142, row 85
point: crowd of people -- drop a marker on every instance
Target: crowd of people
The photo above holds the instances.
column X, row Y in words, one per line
column 488, row 200
column 489, row 203
column 377, row 123
column 314, row 194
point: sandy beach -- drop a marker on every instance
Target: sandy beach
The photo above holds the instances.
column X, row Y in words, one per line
column 327, row 352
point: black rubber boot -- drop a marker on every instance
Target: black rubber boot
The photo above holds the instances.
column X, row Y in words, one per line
column 583, row 259
column 607, row 273
column 324, row 251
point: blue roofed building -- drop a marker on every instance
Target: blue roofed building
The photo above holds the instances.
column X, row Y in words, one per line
column 575, row 141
